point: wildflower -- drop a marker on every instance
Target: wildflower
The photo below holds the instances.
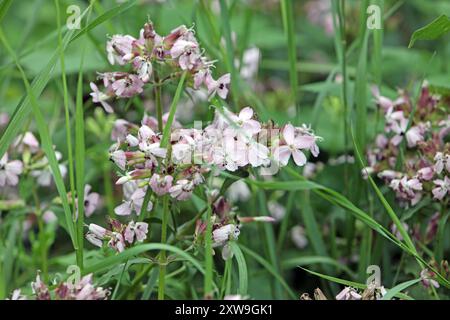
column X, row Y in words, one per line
column 16, row 295
column 397, row 233
column 427, row 279
column 293, row 147
column 40, row 289
column 127, row 86
column 223, row 234
column 117, row 242
column 9, row 171
column 187, row 53
column 134, row 203
column 426, row 173
column 91, row 200
column 250, row 63
column 443, row 187
column 119, row 49
column 182, row 190
column 136, row 230
column 161, row 184
column 26, row 141
column 143, row 68
column 100, row 97
column 348, row 293
column 219, row 86
column 432, row 227
column 298, row 236
column 119, row 158
column 441, row 161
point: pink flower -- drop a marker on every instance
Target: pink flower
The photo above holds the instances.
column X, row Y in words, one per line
column 441, row 161
column 427, row 279
column 143, row 68
column 397, row 123
column 91, row 200
column 182, row 190
column 293, row 146
column 187, row 52
column 396, row 232
column 161, row 184
column 443, row 187
column 348, row 293
column 133, row 204
column 128, row 86
column 119, row 49
column 245, row 122
column 219, row 86
column 117, row 242
column 119, row 158
column 100, row 97
column 414, row 135
column 426, row 173
column 27, row 141
column 120, row 129
column 9, row 171
column 136, row 230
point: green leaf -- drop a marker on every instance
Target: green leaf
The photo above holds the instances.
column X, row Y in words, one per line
column 113, row 260
column 242, row 268
column 400, row 287
column 431, row 31
column 310, row 260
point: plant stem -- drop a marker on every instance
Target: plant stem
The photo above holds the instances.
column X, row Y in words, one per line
column 159, row 109
column 288, row 25
column 208, row 255
column 162, row 254
column 173, row 109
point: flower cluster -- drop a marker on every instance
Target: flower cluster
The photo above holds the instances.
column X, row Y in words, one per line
column 230, row 142
column 155, row 59
column 120, row 236
column 80, row 290
column 226, row 226
column 33, row 162
column 372, row 292
column 413, row 154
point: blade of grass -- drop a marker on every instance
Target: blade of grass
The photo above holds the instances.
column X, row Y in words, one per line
column 208, row 254
column 173, row 109
column 269, row 268
column 310, row 260
column 46, row 141
column 351, row 283
column 80, row 151
column 242, row 268
column 400, row 287
column 40, row 82
column 79, row 253
column 288, row 25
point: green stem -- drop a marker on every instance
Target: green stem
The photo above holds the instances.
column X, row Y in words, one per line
column 208, row 255
column 172, row 111
column 288, row 25
column 79, row 249
column 162, row 255
column 159, row 108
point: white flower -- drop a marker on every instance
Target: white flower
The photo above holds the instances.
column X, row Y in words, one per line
column 9, row 171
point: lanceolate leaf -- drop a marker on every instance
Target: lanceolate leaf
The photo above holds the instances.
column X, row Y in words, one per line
column 431, row 31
